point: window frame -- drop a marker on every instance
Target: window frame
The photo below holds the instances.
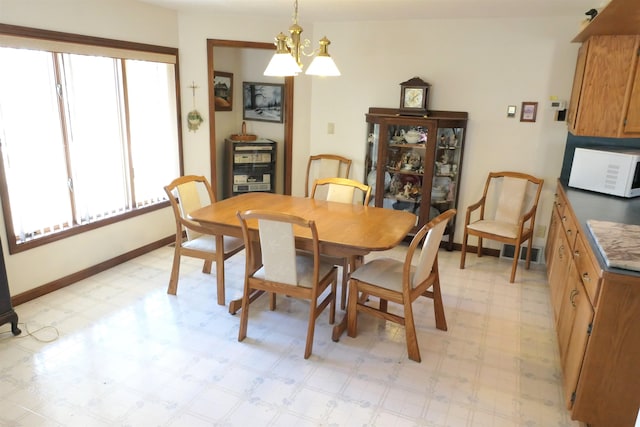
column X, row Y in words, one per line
column 95, row 42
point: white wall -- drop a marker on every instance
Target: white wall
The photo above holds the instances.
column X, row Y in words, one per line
column 479, row 66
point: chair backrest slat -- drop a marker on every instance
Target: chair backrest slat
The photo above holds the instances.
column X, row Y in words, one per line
column 511, row 200
column 278, row 251
column 325, row 166
column 430, row 246
column 342, row 190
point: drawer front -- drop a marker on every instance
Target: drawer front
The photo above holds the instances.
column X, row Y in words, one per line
column 570, row 227
column 589, row 271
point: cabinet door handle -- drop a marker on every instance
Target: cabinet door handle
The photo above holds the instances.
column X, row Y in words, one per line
column 572, row 297
column 561, row 252
column 564, row 219
column 576, row 254
column 585, row 277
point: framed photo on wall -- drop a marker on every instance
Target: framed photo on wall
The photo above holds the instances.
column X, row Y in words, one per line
column 262, row 102
column 223, row 90
column 528, row 111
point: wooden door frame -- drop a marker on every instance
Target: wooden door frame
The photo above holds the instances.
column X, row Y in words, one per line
column 288, row 112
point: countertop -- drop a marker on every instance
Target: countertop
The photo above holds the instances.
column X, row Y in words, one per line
column 588, row 205
column 619, row 243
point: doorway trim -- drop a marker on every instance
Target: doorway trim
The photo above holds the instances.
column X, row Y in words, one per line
column 288, row 113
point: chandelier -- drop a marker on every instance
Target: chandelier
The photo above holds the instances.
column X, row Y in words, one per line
column 289, row 49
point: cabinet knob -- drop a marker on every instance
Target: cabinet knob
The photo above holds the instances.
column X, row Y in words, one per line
column 585, row 277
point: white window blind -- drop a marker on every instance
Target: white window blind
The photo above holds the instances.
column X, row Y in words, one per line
column 83, row 137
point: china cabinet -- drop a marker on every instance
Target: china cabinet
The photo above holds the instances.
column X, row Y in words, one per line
column 414, row 163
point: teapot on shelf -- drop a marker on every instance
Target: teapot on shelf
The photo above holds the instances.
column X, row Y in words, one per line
column 411, row 136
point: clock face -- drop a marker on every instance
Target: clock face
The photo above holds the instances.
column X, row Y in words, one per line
column 413, row 98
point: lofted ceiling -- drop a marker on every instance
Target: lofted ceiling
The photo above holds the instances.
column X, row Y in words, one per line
column 310, row 11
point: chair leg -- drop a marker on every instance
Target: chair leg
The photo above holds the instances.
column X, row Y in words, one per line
column 410, row 332
column 479, row 247
column 464, row 249
column 529, row 247
column 384, row 304
column 206, row 268
column 220, row 272
column 352, row 309
column 313, row 307
column 438, row 307
column 332, row 307
column 175, row 271
column 514, row 265
column 345, row 279
column 244, row 315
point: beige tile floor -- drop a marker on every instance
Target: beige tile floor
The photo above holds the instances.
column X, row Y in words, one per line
column 124, row 353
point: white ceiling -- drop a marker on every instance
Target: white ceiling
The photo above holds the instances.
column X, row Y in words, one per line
column 310, row 11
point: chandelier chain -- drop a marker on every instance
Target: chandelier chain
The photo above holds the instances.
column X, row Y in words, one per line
column 295, row 12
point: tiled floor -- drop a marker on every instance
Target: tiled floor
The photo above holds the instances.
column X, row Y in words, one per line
column 128, row 354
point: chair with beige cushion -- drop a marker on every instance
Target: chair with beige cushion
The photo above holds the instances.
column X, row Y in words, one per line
column 400, row 282
column 342, row 190
column 505, row 213
column 325, row 166
column 186, row 194
column 274, row 266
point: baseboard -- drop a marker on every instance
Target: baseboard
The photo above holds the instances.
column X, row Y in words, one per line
column 88, row 272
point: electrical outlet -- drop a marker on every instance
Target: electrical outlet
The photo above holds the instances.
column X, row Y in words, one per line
column 331, row 128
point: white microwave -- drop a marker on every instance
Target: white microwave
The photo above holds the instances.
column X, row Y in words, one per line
column 609, row 171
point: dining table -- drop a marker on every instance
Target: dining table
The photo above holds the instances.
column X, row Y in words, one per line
column 344, row 229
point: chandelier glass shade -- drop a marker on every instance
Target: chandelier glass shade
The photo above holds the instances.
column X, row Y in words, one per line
column 289, row 50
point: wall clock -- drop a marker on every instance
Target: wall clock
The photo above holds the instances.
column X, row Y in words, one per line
column 414, row 97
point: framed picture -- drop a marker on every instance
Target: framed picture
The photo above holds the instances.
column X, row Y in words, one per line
column 262, row 102
column 223, row 90
column 528, row 111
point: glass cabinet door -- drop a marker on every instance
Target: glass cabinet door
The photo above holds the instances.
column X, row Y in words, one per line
column 448, row 157
column 400, row 163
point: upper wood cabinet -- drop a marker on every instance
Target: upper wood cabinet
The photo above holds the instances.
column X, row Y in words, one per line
column 605, row 99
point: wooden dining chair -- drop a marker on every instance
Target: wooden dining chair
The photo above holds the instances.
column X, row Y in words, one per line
column 186, row 194
column 505, row 213
column 400, row 282
column 325, row 166
column 342, row 190
column 277, row 268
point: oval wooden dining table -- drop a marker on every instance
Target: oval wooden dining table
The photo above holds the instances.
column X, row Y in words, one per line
column 344, row 230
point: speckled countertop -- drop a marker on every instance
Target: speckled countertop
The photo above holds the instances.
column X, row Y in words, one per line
column 618, row 243
column 589, row 206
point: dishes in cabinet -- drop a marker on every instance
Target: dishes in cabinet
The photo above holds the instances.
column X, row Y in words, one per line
column 412, row 160
column 411, row 136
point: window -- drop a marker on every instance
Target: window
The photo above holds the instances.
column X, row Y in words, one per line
column 89, row 135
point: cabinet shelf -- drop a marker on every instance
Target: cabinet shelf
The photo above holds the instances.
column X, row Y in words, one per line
column 404, row 171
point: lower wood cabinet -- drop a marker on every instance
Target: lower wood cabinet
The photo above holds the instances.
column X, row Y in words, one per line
column 597, row 314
